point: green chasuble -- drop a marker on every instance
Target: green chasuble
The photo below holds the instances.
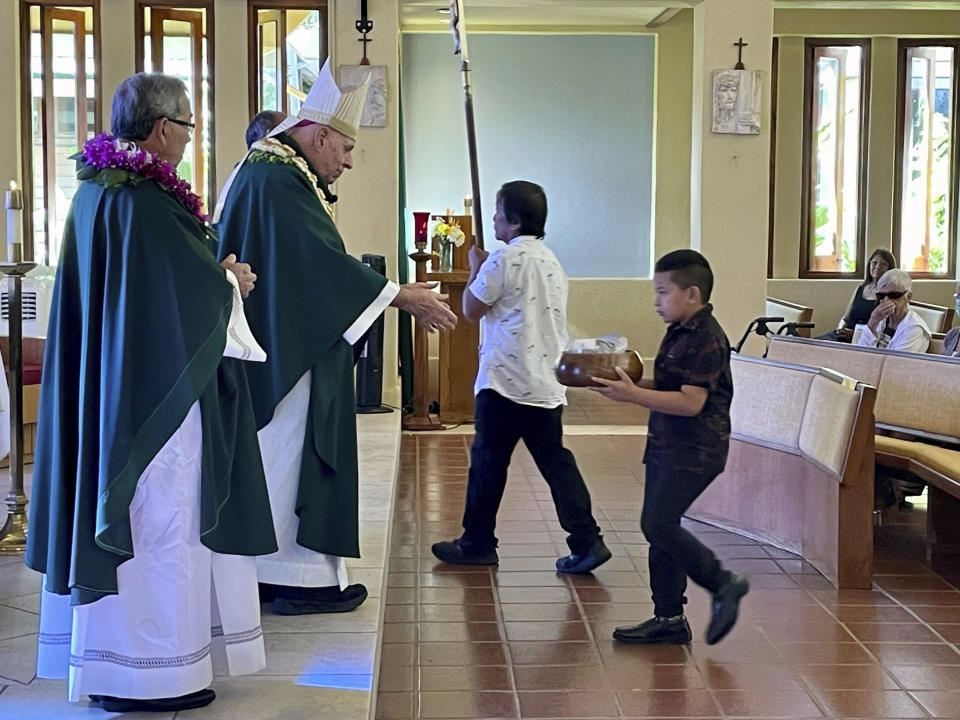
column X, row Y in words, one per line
column 309, row 292
column 138, row 325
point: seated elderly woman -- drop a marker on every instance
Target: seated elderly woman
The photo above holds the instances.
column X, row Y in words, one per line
column 892, row 324
column 864, row 298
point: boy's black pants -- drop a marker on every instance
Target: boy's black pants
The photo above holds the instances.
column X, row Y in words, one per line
column 500, row 424
column 675, row 552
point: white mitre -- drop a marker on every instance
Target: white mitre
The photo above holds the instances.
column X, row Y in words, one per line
column 325, row 104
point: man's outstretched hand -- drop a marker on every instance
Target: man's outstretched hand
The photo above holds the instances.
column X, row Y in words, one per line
column 429, row 308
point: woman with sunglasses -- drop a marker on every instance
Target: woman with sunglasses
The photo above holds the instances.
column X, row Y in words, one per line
column 892, row 324
column 864, row 299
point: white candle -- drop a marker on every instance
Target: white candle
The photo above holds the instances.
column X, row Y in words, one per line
column 14, row 205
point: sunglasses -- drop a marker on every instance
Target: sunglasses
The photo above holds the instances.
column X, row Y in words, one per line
column 895, row 295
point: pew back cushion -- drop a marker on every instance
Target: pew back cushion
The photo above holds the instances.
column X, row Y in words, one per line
column 828, row 423
column 863, row 366
column 790, row 408
column 768, row 404
column 920, row 393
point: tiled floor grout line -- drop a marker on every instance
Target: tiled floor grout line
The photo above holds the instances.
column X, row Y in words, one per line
column 418, row 615
column 866, row 649
column 17, row 682
column 820, row 694
column 501, row 622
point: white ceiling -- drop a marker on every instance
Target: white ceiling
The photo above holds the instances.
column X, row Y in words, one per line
column 509, row 14
column 607, row 15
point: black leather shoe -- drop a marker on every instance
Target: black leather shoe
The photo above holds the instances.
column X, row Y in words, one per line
column 726, row 607
column 656, row 630
column 307, row 601
column 198, row 699
column 593, row 558
column 451, row 552
column 267, row 593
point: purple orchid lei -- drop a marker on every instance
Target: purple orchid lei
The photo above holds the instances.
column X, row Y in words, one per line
column 105, row 151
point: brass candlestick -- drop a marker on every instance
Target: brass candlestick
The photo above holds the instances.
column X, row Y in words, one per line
column 13, row 536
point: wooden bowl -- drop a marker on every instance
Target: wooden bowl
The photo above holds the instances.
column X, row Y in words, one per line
column 576, row 369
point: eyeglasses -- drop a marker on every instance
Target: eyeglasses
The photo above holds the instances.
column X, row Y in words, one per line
column 183, row 123
column 895, row 295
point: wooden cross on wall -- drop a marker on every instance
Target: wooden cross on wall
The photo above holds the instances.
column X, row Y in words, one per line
column 740, row 45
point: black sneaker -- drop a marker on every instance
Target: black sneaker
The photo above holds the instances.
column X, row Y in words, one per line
column 593, row 558
column 451, row 552
column 310, row 600
column 673, row 631
column 726, row 607
column 198, row 699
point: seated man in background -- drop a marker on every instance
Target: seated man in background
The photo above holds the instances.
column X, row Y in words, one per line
column 892, row 324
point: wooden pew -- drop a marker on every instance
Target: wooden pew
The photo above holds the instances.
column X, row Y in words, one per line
column 790, row 312
column 917, row 424
column 939, row 318
column 800, row 471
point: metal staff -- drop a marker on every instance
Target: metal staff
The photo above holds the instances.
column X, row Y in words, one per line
column 460, row 48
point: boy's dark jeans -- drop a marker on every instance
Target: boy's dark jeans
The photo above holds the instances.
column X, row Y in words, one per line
column 674, row 551
column 500, row 424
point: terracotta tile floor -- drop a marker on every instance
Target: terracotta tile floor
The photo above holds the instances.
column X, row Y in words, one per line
column 519, row 641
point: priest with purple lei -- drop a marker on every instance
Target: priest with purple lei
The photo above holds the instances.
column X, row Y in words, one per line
column 149, row 499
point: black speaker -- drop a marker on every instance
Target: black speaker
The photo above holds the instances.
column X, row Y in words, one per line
column 370, row 359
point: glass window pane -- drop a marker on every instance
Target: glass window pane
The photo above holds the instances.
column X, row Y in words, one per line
column 181, row 39
column 835, row 159
column 270, row 66
column 63, row 115
column 305, row 52
column 925, row 207
column 36, row 147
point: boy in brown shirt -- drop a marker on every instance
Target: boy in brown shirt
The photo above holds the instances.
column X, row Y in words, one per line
column 687, row 442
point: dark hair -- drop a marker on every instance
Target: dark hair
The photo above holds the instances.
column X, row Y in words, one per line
column 884, row 255
column 688, row 268
column 141, row 100
column 261, row 124
column 525, row 204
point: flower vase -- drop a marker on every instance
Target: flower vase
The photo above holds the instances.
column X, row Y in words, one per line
column 446, row 257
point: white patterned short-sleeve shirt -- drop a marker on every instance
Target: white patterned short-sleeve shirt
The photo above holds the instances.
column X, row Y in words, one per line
column 525, row 330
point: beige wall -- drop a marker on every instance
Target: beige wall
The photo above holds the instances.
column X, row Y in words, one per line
column 625, row 306
column 830, row 297
column 368, row 209
column 10, row 110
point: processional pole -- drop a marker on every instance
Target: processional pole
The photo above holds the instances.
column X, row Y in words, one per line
column 460, row 48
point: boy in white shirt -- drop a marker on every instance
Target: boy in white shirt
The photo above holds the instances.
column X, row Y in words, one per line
column 519, row 293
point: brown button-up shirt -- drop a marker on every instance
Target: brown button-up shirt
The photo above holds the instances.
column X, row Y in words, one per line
column 694, row 352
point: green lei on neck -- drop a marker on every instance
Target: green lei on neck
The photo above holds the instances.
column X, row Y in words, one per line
column 271, row 150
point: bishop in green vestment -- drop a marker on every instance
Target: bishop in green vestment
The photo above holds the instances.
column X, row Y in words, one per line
column 313, row 302
column 148, row 484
